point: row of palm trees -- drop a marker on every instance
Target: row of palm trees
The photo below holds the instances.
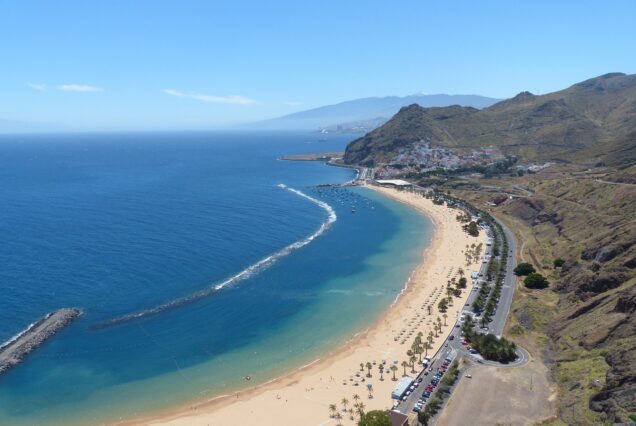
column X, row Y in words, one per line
column 356, row 410
column 421, row 346
column 369, row 367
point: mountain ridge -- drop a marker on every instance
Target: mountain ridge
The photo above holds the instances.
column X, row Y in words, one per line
column 580, row 123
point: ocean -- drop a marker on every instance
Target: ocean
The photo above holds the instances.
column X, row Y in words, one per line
column 197, row 258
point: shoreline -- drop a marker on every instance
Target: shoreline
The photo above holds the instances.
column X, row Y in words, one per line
column 307, row 380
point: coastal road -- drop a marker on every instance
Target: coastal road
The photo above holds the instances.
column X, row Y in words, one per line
column 454, row 349
column 508, row 289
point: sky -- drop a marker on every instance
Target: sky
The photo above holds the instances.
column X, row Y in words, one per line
column 169, row 65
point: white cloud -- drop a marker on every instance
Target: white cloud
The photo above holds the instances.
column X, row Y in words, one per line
column 38, row 87
column 173, row 92
column 79, row 88
column 293, row 103
column 233, row 99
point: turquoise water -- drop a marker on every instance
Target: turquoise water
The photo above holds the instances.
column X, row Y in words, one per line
column 123, row 224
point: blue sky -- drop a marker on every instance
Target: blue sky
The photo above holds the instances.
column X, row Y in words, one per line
column 123, row 65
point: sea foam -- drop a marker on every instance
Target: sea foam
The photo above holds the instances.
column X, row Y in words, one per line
column 243, row 275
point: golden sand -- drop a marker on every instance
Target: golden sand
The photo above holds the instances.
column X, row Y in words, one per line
column 303, row 397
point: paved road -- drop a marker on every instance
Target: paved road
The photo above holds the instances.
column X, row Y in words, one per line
column 508, row 289
column 453, row 349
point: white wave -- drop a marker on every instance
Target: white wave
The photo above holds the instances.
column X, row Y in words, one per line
column 23, row 332
column 244, row 274
column 339, row 291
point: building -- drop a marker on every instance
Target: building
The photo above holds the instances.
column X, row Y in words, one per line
column 398, row 419
column 401, row 387
column 396, row 183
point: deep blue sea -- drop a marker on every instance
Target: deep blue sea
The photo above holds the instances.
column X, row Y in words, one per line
column 121, row 224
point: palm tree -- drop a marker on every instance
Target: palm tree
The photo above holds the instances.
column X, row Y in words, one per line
column 332, row 409
column 381, row 368
column 361, row 366
column 409, row 353
column 484, row 321
column 418, row 350
column 394, row 369
column 405, row 364
column 361, row 408
column 351, row 414
column 369, row 366
column 427, row 346
column 445, row 316
column 413, row 359
column 344, row 402
column 429, row 309
column 356, row 398
column 338, row 417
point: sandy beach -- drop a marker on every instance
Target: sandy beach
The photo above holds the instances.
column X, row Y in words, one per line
column 303, row 397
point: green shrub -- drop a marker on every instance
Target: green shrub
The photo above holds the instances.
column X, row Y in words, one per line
column 558, row 262
column 524, row 269
column 535, row 280
column 375, row 418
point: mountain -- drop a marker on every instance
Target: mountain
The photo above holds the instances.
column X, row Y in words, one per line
column 367, row 109
column 594, row 120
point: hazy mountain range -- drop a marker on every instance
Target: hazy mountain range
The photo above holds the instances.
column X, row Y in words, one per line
column 366, row 113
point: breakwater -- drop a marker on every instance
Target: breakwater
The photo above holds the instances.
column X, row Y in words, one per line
column 13, row 351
